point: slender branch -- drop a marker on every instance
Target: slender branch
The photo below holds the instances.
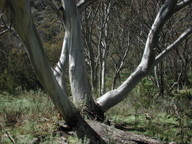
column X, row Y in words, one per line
column 10, row 137
column 60, row 66
column 172, row 46
column 182, row 4
column 82, row 4
column 4, row 31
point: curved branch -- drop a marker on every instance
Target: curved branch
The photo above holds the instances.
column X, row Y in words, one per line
column 152, row 39
column 113, row 97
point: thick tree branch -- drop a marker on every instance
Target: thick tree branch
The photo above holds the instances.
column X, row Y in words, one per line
column 152, row 40
column 113, row 97
column 111, row 134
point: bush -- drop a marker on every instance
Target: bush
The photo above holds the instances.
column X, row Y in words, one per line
column 18, row 72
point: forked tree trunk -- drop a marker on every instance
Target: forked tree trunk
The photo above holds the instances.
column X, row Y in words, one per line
column 18, row 13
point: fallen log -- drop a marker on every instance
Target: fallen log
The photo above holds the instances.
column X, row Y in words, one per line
column 114, row 135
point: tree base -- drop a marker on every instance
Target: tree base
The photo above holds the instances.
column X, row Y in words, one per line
column 96, row 114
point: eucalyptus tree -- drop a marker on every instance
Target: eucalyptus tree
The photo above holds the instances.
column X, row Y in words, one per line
column 19, row 14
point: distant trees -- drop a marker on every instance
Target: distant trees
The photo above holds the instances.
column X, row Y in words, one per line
column 121, row 38
column 16, row 73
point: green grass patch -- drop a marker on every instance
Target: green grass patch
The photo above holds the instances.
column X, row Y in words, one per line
column 27, row 117
column 31, row 117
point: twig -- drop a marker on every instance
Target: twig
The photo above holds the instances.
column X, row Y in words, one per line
column 10, row 137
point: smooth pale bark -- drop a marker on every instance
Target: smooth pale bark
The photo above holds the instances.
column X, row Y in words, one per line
column 60, row 68
column 113, row 97
column 156, row 76
column 80, row 86
column 73, row 47
column 61, row 65
column 103, row 76
column 18, row 13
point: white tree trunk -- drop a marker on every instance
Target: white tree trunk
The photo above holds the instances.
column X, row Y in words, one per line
column 80, row 86
column 103, row 78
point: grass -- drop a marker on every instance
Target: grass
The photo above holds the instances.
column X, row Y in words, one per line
column 168, row 120
column 30, row 117
column 26, row 117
